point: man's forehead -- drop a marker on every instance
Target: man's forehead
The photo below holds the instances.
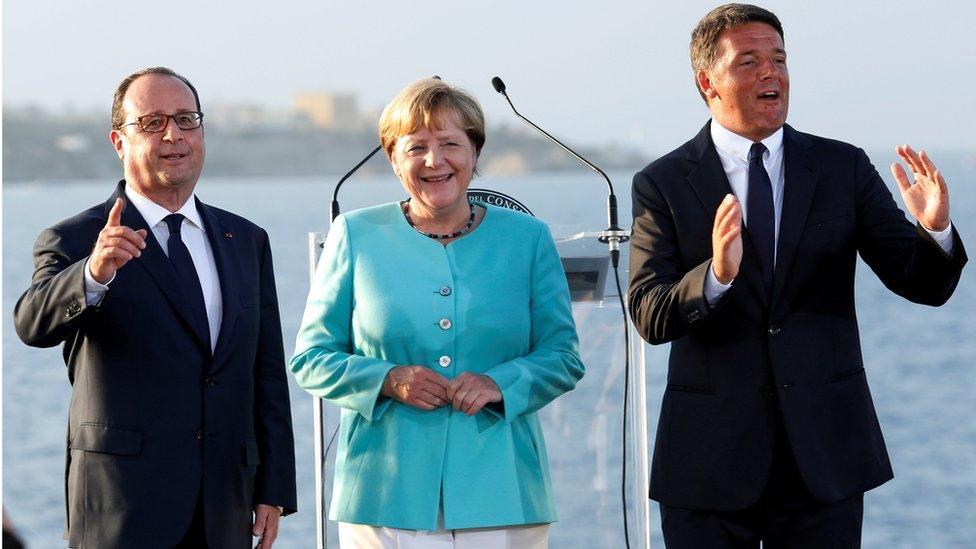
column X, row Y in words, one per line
column 158, row 88
column 747, row 36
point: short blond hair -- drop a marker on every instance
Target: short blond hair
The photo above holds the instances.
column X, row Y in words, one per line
column 428, row 103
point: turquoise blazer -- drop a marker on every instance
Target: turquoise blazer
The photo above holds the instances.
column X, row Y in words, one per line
column 494, row 302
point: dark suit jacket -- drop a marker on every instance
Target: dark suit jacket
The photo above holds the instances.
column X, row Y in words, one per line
column 155, row 417
column 728, row 365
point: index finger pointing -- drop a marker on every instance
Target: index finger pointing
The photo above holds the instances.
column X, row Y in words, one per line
column 115, row 215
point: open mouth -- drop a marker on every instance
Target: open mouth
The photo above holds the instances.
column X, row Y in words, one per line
column 769, row 96
column 437, row 178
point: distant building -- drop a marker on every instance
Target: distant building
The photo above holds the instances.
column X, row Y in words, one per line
column 243, row 116
column 334, row 111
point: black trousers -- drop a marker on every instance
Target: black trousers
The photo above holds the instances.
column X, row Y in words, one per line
column 786, row 516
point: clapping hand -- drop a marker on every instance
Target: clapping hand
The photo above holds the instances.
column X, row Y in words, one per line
column 727, row 240
column 927, row 197
column 116, row 245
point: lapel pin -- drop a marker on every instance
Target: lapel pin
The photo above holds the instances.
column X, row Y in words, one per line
column 229, row 234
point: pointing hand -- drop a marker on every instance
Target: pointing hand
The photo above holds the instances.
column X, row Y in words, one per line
column 115, row 246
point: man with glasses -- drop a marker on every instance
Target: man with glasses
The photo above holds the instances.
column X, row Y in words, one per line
column 179, row 429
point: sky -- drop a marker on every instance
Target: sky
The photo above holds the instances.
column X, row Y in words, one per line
column 874, row 73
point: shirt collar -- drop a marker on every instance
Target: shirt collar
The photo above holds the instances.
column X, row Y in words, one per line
column 735, row 145
column 154, row 213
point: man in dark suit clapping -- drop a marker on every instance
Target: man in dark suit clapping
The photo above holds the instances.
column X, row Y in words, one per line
column 179, row 429
column 743, row 257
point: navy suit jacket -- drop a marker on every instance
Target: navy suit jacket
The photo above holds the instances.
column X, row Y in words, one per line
column 155, row 416
column 795, row 352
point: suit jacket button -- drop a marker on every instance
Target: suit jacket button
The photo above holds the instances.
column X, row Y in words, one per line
column 773, row 330
column 210, row 382
column 73, row 308
column 199, row 434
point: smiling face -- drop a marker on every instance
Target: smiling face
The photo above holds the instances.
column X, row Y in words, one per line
column 435, row 165
column 163, row 166
column 748, row 85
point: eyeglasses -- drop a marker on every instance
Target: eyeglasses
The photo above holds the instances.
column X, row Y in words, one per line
column 155, row 123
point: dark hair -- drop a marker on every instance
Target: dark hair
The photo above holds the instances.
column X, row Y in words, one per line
column 118, row 117
column 704, row 39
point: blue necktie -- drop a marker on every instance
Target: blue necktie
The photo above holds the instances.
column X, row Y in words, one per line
column 179, row 255
column 762, row 222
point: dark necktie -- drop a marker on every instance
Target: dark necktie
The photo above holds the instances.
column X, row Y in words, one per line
column 762, row 220
column 179, row 255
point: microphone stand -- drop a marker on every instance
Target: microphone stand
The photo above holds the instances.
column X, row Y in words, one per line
column 612, row 236
column 335, row 194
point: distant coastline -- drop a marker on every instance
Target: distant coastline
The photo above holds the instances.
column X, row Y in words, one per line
column 248, row 142
column 44, row 146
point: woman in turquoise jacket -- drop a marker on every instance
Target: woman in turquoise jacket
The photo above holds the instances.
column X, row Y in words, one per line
column 440, row 327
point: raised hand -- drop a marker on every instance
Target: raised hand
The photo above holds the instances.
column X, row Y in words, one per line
column 469, row 392
column 115, row 246
column 727, row 240
column 416, row 386
column 927, row 197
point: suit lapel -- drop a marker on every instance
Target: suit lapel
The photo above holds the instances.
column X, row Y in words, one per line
column 711, row 184
column 800, row 184
column 155, row 262
column 228, row 269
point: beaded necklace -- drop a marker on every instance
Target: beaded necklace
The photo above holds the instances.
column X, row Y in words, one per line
column 460, row 232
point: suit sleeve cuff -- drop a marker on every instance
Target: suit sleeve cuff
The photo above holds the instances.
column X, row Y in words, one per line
column 94, row 291
column 714, row 290
column 943, row 238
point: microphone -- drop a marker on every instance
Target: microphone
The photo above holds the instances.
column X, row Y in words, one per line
column 613, row 235
column 335, row 195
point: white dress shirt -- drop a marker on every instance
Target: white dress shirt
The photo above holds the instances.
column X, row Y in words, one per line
column 195, row 240
column 733, row 151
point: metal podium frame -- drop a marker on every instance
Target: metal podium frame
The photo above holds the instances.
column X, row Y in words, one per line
column 607, row 313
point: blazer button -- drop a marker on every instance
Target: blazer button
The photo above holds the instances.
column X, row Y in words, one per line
column 445, row 324
column 199, row 434
column 210, row 382
column 444, row 361
column 773, row 330
column 445, row 291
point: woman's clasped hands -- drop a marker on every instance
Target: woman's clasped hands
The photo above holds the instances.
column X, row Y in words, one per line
column 423, row 388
